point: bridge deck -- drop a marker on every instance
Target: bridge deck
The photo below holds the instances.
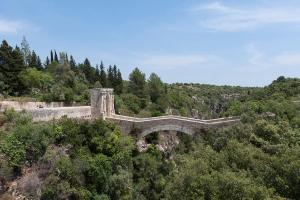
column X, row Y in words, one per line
column 169, row 122
column 174, row 117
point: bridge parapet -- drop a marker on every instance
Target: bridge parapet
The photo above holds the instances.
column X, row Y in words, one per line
column 169, row 122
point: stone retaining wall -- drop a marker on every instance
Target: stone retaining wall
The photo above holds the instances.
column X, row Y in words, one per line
column 19, row 105
column 47, row 114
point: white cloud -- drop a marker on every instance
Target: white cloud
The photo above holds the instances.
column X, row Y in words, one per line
column 255, row 55
column 226, row 18
column 172, row 61
column 9, row 26
column 288, row 59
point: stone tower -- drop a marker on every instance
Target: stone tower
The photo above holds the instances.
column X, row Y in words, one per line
column 102, row 102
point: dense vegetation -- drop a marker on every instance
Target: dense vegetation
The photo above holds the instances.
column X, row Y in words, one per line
column 259, row 158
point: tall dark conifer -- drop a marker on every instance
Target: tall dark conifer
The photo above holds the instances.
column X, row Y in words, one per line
column 88, row 71
column 39, row 63
column 73, row 64
column 110, row 76
column 51, row 56
column 47, row 61
column 55, row 56
column 119, row 82
column 33, row 60
column 11, row 64
column 103, row 78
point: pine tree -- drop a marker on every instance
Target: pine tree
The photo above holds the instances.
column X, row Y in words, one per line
column 103, row 78
column 97, row 74
column 115, row 74
column 33, row 60
column 11, row 64
column 110, row 76
column 25, row 49
column 88, row 71
column 51, row 56
column 155, row 87
column 137, row 83
column 119, row 85
column 55, row 57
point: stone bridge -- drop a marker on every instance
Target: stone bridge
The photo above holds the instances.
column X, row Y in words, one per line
column 102, row 105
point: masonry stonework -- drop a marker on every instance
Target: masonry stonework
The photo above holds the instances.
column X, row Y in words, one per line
column 102, row 102
column 102, row 106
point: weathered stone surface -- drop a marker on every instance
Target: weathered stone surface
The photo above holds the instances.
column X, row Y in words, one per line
column 102, row 106
column 102, row 102
column 186, row 125
column 47, row 114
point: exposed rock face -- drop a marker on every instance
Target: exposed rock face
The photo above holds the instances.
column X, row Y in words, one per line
column 167, row 141
column 142, row 145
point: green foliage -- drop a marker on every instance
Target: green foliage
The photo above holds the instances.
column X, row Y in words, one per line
column 14, row 150
column 137, row 83
column 36, row 81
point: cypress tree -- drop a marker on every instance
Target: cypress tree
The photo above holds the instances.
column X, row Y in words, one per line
column 51, row 56
column 47, row 62
column 67, row 58
column 55, row 57
column 103, row 78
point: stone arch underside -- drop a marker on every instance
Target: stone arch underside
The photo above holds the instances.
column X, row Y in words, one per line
column 169, row 127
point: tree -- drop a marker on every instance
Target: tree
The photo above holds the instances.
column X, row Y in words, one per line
column 51, row 56
column 35, row 61
column 137, row 83
column 97, row 74
column 11, row 64
column 103, row 79
column 55, row 56
column 88, row 71
column 119, row 82
column 72, row 63
column 36, row 80
column 110, row 76
column 155, row 87
column 63, row 58
column 47, row 62
column 25, row 49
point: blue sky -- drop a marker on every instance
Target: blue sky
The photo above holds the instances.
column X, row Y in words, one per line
column 248, row 43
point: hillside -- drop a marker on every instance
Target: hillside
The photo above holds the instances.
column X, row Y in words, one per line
column 258, row 158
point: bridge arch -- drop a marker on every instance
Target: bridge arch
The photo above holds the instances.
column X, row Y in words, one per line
column 169, row 127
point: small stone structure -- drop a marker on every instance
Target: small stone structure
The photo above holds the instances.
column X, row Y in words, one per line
column 102, row 102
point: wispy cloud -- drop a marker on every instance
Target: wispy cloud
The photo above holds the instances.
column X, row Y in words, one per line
column 9, row 26
column 229, row 18
column 254, row 54
column 173, row 61
column 288, row 59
